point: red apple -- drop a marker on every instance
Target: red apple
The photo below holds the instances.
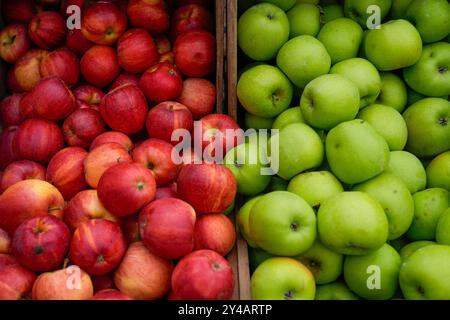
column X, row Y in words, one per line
column 167, row 228
column 203, row 275
column 27, row 70
column 113, row 136
column 86, row 206
column 103, row 23
column 10, row 110
column 126, row 188
column 11, row 82
column 48, row 2
column 99, row 65
column 97, row 246
column 50, row 98
column 161, row 82
column 70, row 283
column 124, row 109
column 151, row 15
column 38, row 140
column 190, row 18
column 125, row 78
column 195, row 53
column 102, row 158
column 66, row 171
column 136, row 51
column 82, row 127
column 143, row 275
column 200, row 184
column 67, row 3
column 14, row 42
column 167, row 192
column 5, row 242
column 61, row 63
column 156, row 155
column 199, row 95
column 28, row 199
column 130, row 228
column 103, row 282
column 110, row 294
column 7, row 152
column 214, row 232
column 47, row 29
column 21, row 11
column 162, row 43
column 77, row 43
column 88, row 97
column 15, row 281
column 21, row 170
column 40, row 244
column 167, row 117
column 220, row 131
column 168, row 57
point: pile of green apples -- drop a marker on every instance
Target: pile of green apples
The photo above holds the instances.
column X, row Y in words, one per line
column 360, row 203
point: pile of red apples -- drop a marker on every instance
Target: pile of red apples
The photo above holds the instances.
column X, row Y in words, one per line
column 92, row 206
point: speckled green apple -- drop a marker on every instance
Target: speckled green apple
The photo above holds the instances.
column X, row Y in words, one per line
column 411, row 247
column 242, row 220
column 352, row 223
column 332, row 12
column 334, row 291
column 409, row 169
column 395, row 198
column 443, row 228
column 304, row 18
column 393, row 91
column 287, row 117
column 357, row 9
column 357, row 275
column 438, row 172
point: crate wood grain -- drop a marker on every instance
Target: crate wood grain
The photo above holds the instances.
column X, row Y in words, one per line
column 243, row 272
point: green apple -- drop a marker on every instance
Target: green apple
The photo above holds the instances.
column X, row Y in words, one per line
column 389, row 124
column 443, row 228
column 242, row 220
column 438, row 172
column 329, row 100
column 246, row 162
column 256, row 257
column 396, row 44
column 283, row 4
column 357, row 9
column 302, row 59
column 289, row 232
column 334, row 291
column 287, row 117
column 342, row 38
column 429, row 205
column 398, row 9
column 308, row 1
column 426, row 274
column 409, row 169
column 324, row 264
column 413, row 96
column 393, row 91
column 282, row 279
column 373, row 276
column 352, row 223
column 364, row 75
column 259, row 23
column 396, row 200
column 304, row 18
column 315, row 187
column 428, row 127
column 277, row 184
column 410, row 248
column 356, row 152
column 332, row 12
column 431, row 18
column 264, row 91
column 256, row 122
column 295, row 157
column 430, row 76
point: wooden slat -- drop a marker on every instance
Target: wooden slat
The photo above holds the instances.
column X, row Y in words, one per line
column 231, row 62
